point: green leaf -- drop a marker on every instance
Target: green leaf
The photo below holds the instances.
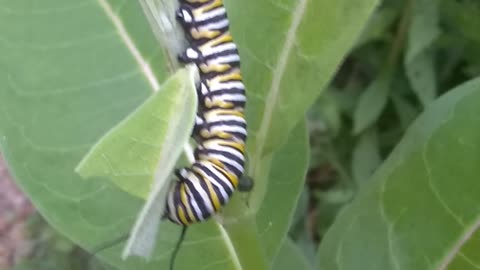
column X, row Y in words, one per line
column 148, row 142
column 140, row 153
column 371, row 103
column 405, row 110
column 366, row 156
column 464, row 16
column 73, row 70
column 420, row 211
column 161, row 16
column 377, row 28
column 424, row 28
column 288, row 170
column 287, row 59
column 419, row 59
column 290, row 257
column 286, row 76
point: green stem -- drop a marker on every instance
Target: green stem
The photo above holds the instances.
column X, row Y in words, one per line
column 240, row 232
column 400, row 37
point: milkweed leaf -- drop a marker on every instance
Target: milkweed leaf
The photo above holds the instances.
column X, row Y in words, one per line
column 140, row 153
column 371, row 103
column 420, row 209
column 365, row 156
column 418, row 61
column 290, row 257
column 146, row 144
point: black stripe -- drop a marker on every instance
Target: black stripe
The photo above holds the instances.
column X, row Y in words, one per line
column 198, row 198
column 226, row 91
column 228, row 155
column 204, row 184
column 208, row 76
column 228, row 52
column 226, row 188
column 189, row 200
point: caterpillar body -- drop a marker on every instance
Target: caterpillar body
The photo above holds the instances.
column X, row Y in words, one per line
column 220, row 128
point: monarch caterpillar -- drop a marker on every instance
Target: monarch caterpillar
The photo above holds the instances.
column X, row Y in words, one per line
column 220, row 128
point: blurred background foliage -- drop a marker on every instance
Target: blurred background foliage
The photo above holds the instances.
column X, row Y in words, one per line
column 411, row 52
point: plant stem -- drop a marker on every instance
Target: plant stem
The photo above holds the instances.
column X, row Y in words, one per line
column 400, row 36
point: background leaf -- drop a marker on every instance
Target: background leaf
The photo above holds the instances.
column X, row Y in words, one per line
column 420, row 210
column 419, row 61
column 366, row 156
column 289, row 257
column 371, row 103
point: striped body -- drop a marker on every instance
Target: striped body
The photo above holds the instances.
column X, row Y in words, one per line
column 220, row 127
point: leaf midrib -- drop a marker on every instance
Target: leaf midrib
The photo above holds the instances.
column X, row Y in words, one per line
column 455, row 250
column 273, row 93
column 144, row 65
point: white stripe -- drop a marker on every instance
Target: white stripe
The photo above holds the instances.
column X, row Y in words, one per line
column 218, row 174
column 229, row 128
column 229, row 117
column 225, row 97
column 227, row 85
column 205, row 16
column 198, row 188
column 226, row 160
column 195, row 206
column 218, row 49
column 219, row 147
column 214, row 26
column 171, row 205
column 224, row 59
column 223, row 193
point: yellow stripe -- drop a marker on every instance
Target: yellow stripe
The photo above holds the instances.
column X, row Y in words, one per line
column 234, row 144
column 238, row 145
column 181, row 215
column 213, row 5
column 235, row 75
column 204, row 34
column 213, row 195
column 219, row 103
column 205, row 8
column 231, row 177
column 214, row 67
column 183, row 197
column 205, row 134
column 226, row 37
column 220, row 112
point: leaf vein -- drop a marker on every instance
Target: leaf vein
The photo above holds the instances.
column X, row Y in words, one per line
column 435, row 191
column 468, row 234
column 144, row 65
